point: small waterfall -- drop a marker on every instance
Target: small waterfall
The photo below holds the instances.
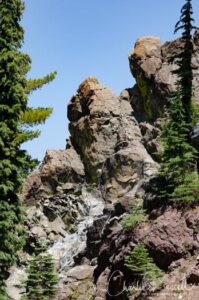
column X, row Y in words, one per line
column 135, row 189
column 66, row 248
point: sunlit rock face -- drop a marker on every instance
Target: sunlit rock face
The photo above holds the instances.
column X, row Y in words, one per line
column 150, row 64
column 108, row 138
column 76, row 199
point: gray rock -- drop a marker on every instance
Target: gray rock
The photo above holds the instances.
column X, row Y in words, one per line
column 109, row 139
column 81, row 272
column 125, row 169
column 195, row 135
column 95, row 133
column 14, row 283
column 58, row 168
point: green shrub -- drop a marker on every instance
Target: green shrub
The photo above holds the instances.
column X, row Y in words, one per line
column 42, row 280
column 188, row 191
column 142, row 264
column 136, row 215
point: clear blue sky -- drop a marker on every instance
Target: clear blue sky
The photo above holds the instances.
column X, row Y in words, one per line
column 81, row 38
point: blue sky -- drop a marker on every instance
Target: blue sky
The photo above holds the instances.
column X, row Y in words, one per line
column 81, row 38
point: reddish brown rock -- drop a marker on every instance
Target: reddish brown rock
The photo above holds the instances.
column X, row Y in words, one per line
column 102, row 285
column 193, row 275
column 163, row 240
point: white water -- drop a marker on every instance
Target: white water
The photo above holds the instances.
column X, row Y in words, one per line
column 66, row 248
column 135, row 189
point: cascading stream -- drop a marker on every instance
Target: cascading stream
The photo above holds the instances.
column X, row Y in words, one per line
column 67, row 248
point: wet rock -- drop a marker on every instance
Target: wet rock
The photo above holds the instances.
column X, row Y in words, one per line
column 72, row 247
column 94, row 236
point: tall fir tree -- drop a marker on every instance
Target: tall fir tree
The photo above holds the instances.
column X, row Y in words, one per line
column 184, row 71
column 14, row 114
column 179, row 158
column 13, row 101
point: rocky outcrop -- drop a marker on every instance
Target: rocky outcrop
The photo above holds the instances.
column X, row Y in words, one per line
column 108, row 138
column 94, row 129
column 58, row 167
column 150, row 64
column 105, row 150
column 77, row 198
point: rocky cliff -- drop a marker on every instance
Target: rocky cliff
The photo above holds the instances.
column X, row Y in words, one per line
column 76, row 200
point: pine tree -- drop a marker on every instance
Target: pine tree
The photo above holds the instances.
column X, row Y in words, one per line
column 184, row 71
column 13, row 101
column 33, row 116
column 180, row 180
column 14, row 161
column 42, row 280
column 141, row 264
column 36, row 116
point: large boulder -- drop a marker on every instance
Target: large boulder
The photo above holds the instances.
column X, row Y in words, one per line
column 77, row 284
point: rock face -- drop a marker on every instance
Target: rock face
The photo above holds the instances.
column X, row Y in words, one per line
column 108, row 139
column 151, row 67
column 162, row 239
column 77, row 198
column 58, row 167
column 94, row 129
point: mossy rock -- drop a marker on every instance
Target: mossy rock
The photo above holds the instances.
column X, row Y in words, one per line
column 144, row 90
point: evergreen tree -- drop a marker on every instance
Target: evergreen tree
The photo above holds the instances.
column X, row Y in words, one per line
column 35, row 116
column 180, row 180
column 184, row 71
column 142, row 264
column 42, row 280
column 13, row 101
column 14, row 91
